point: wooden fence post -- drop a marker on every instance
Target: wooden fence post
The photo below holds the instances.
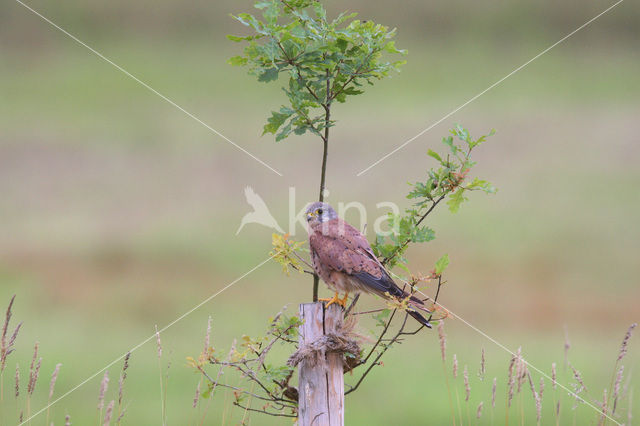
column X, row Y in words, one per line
column 321, row 381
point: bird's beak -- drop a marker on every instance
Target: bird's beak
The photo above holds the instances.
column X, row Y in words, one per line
column 310, row 215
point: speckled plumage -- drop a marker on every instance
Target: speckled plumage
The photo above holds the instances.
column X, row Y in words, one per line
column 344, row 260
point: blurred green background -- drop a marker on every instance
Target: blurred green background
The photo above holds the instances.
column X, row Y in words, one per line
column 119, row 212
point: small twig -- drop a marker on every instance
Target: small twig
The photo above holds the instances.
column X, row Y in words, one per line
column 353, row 76
column 401, row 247
column 237, row 404
column 435, row 299
column 373, row 311
column 248, row 372
column 288, row 6
column 412, row 333
column 303, row 260
column 380, row 354
column 254, row 395
column 384, row 331
column 352, row 305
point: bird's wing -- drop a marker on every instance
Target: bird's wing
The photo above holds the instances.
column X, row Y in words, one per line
column 341, row 247
column 255, row 200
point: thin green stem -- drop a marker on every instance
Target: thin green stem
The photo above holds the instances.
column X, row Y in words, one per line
column 459, row 409
column 323, row 170
column 446, row 377
column 162, row 412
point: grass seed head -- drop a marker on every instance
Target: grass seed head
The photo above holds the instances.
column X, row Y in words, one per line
column 54, row 378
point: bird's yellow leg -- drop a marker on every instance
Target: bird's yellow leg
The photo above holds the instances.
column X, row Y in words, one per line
column 332, row 300
column 343, row 301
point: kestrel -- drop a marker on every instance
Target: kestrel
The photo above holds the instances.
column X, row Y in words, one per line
column 344, row 260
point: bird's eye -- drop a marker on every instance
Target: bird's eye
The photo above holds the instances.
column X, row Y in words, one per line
column 319, row 211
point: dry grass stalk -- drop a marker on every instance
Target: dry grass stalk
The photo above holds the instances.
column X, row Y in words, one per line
column 625, row 341
column 163, row 377
column 123, row 377
column 33, row 375
column 6, row 347
column 17, row 381
column 511, row 379
column 576, row 393
column 120, row 390
column 629, row 416
column 577, row 390
column 455, row 375
column 455, row 366
column 54, row 378
column 493, row 392
column 578, row 377
column 207, row 336
column 616, row 389
column 479, row 410
column 541, row 387
column 521, row 370
column 567, row 346
column 104, row 385
column 125, row 366
column 530, row 380
column 34, row 371
column 443, row 340
column 442, row 336
column 625, row 387
column 482, row 366
column 120, row 416
column 67, row 420
column 536, row 396
column 197, row 397
column 579, row 387
column 604, row 408
column 158, row 343
column 554, row 376
column 108, row 413
column 52, row 385
column 467, row 386
column 32, row 368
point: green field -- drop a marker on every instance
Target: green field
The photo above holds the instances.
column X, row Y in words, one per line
column 119, row 212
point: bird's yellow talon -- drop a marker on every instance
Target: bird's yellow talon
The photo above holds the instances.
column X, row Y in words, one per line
column 331, row 301
column 335, row 299
column 343, row 302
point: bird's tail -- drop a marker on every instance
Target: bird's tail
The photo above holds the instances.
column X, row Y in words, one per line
column 385, row 287
column 422, row 320
column 414, row 305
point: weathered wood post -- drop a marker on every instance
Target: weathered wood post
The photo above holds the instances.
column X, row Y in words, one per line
column 321, row 380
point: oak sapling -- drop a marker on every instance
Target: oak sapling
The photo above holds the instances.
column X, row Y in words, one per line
column 322, row 61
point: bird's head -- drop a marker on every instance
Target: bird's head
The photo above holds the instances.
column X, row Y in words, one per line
column 319, row 213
